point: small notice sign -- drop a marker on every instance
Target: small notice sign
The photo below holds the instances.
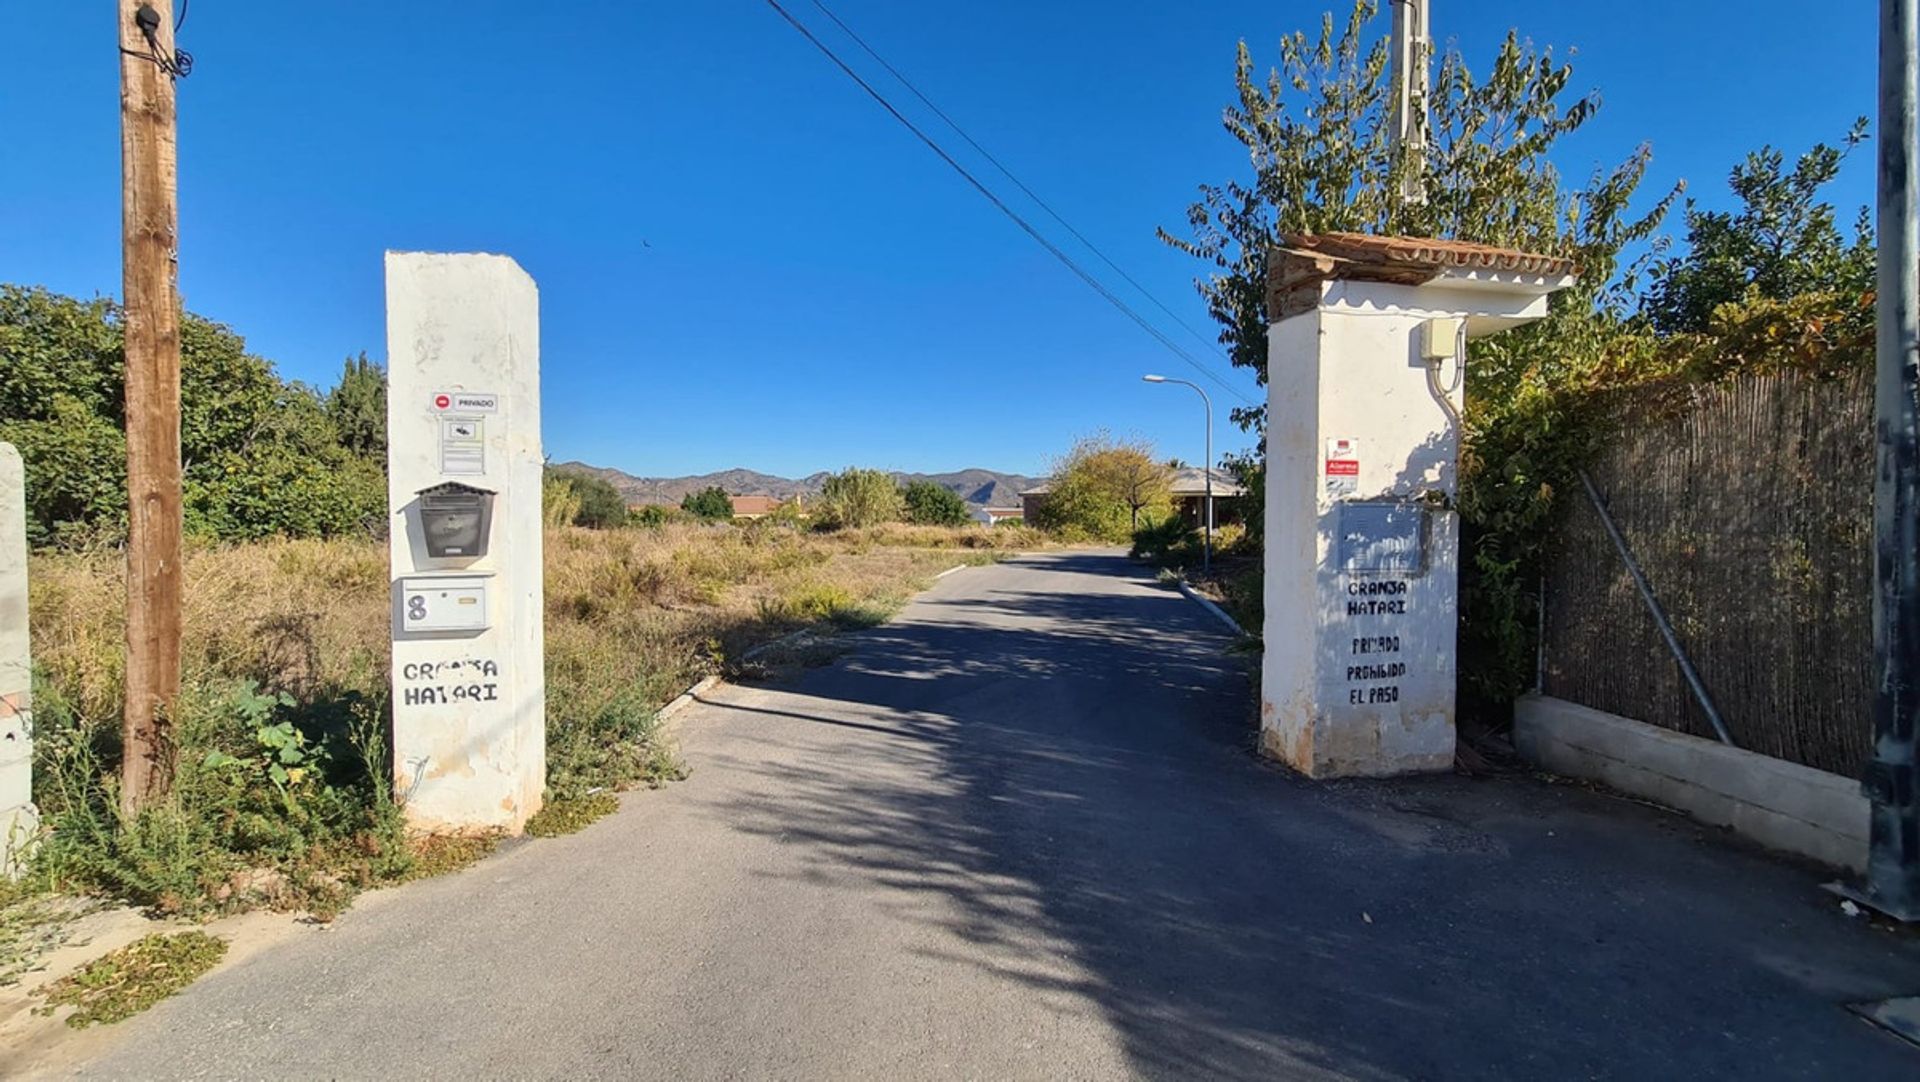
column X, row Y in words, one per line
column 1343, row 464
column 466, row 402
column 463, row 447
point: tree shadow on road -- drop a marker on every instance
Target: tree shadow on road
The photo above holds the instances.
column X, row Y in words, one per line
column 1048, row 765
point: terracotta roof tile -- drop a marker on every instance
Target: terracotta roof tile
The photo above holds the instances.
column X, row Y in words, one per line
column 1439, row 254
column 1302, row 261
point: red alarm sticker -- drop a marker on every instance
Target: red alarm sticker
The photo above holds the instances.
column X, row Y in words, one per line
column 1343, row 465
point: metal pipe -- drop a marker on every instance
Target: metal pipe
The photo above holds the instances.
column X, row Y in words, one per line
column 1659, row 614
column 1893, row 855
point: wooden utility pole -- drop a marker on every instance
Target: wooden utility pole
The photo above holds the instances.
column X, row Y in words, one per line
column 151, row 307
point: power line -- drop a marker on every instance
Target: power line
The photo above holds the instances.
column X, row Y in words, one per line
column 1025, row 226
column 1008, row 173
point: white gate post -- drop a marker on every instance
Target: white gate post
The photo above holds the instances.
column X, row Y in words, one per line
column 463, row 488
column 18, row 816
column 1364, row 379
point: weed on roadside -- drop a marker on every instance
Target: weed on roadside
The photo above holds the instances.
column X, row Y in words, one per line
column 568, row 816
column 125, row 982
column 444, row 854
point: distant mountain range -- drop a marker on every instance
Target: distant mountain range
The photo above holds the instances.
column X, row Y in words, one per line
column 981, row 488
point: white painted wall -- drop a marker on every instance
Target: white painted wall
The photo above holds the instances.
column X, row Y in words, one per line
column 469, row 708
column 18, row 817
column 1358, row 682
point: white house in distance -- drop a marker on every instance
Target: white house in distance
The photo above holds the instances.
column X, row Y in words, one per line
column 994, row 516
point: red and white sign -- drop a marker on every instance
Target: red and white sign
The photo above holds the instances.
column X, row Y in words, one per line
column 466, row 401
column 1343, row 464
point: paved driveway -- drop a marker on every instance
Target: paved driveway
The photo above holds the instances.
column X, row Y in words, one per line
column 1019, row 833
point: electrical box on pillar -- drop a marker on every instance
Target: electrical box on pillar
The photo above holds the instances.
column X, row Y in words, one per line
column 464, row 468
column 1366, row 376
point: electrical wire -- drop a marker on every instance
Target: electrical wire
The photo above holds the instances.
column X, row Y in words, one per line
column 1008, row 173
column 1025, row 226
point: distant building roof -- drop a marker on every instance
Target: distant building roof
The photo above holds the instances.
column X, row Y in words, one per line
column 1192, row 481
column 1185, row 481
column 754, row 505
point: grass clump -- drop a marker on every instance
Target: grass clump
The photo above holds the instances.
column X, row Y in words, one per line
column 125, row 982
column 569, row 816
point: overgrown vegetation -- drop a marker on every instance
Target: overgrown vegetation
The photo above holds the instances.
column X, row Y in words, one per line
column 929, row 504
column 710, row 503
column 855, row 498
column 577, row 498
column 1103, row 488
column 263, row 456
column 122, row 983
column 281, row 792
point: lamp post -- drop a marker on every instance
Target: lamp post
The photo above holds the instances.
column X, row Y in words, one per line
column 1206, row 557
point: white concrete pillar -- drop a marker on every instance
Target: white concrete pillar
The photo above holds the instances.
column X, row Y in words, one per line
column 463, row 428
column 1362, row 542
column 18, row 816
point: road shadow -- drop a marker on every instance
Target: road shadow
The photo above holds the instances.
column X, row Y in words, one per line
column 1067, row 761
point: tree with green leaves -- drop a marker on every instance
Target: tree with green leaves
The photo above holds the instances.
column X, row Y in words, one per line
column 1317, row 133
column 930, row 504
column 855, row 498
column 357, row 405
column 709, row 504
column 601, row 507
column 1780, row 244
column 260, row 455
column 1102, row 486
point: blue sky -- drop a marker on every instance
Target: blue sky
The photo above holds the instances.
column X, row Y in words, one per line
column 742, row 260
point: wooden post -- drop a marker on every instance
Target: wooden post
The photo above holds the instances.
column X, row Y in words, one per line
column 149, row 249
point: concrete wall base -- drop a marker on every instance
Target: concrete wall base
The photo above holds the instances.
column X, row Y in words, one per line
column 1781, row 805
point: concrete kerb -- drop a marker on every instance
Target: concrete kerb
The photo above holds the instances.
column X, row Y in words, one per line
column 1218, row 612
column 664, row 716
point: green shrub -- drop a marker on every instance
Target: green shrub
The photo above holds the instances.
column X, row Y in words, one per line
column 856, row 498
column 930, row 504
column 1171, row 540
column 271, row 804
column 262, row 455
column 600, row 505
column 710, row 503
column 653, row 516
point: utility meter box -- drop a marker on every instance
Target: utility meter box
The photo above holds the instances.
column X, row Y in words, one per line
column 1382, row 537
column 444, row 603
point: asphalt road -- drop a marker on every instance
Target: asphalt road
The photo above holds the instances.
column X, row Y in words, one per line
column 1019, row 833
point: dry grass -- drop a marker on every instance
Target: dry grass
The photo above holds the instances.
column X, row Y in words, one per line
column 295, row 633
column 636, row 613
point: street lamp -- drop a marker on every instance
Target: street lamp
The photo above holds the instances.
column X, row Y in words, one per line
column 1206, row 557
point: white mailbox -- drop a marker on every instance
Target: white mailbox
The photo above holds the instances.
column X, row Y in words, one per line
column 444, row 603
